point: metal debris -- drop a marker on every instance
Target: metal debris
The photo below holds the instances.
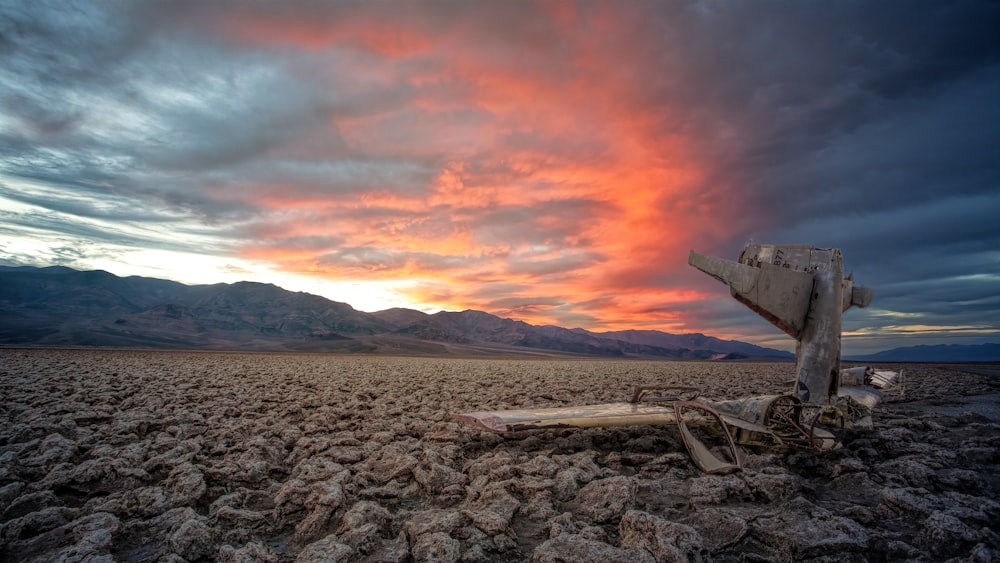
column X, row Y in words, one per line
column 803, row 291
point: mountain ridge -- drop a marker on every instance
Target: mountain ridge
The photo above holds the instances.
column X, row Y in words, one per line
column 988, row 352
column 60, row 306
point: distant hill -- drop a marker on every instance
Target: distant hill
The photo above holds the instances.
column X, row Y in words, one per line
column 59, row 306
column 696, row 341
column 939, row 353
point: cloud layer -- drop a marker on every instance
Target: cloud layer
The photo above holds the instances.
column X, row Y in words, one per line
column 548, row 161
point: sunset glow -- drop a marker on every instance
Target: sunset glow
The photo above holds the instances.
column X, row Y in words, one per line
column 551, row 192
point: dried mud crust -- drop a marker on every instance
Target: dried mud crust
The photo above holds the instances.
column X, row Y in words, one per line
column 171, row 456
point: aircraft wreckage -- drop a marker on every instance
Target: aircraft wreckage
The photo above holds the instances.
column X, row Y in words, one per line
column 803, row 291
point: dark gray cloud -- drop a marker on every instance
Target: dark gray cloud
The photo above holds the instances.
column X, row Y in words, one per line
column 869, row 127
column 114, row 99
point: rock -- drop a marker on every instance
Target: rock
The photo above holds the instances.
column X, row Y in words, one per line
column 505, row 542
column 492, row 467
column 959, row 479
column 854, row 488
column 572, row 548
column 8, row 493
column 719, row 527
column 713, row 489
column 562, row 524
column 392, row 490
column 31, row 502
column 192, row 540
column 493, row 510
column 982, row 553
column 901, row 500
column 181, row 454
column 895, row 550
column 979, row 454
column 860, row 514
column 435, row 477
column 242, row 516
column 532, row 485
column 252, row 552
column 169, row 521
column 665, row 540
column 476, row 554
column 346, row 454
column 320, row 468
column 325, row 493
column 314, row 524
column 324, row 498
column 365, row 512
column 96, row 475
column 35, row 523
column 913, row 471
column 291, row 497
column 847, row 465
column 93, row 535
column 803, row 529
column 587, row 468
column 149, row 501
column 185, row 485
column 54, row 448
column 393, row 551
column 541, row 465
column 437, row 547
column 540, row 508
column 772, row 485
column 392, row 463
column 945, row 535
column 326, row 550
column 605, row 500
column 433, row 520
column 363, row 525
column 971, row 507
column 565, row 484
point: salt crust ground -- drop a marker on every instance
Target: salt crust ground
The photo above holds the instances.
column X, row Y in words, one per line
column 172, row 456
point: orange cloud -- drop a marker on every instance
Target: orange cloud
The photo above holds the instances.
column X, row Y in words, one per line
column 554, row 191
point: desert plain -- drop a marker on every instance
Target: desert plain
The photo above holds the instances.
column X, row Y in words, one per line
column 119, row 455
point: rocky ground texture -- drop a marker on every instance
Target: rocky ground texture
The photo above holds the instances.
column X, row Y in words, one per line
column 174, row 456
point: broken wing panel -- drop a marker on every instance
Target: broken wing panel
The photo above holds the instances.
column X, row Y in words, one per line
column 725, row 456
column 779, row 294
column 739, row 277
column 588, row 416
column 687, row 415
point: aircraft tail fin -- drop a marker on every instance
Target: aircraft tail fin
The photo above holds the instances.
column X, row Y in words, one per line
column 779, row 294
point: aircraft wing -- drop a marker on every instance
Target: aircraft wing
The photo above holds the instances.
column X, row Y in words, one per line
column 587, row 416
column 623, row 414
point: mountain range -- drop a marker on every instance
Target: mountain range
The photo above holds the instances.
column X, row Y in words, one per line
column 62, row 307
column 989, row 352
column 59, row 306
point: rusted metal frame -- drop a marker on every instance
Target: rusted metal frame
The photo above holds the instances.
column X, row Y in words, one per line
column 707, row 461
column 805, row 437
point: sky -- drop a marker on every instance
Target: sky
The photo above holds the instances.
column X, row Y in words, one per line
column 551, row 162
